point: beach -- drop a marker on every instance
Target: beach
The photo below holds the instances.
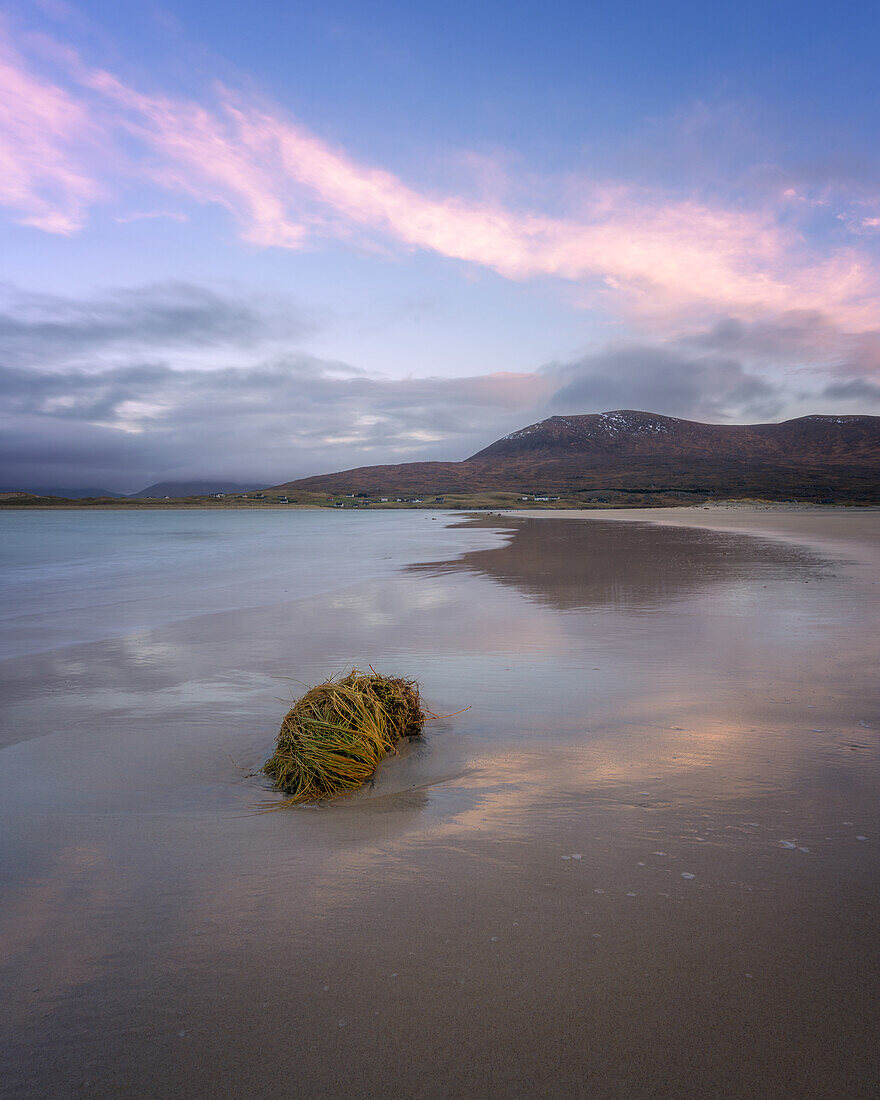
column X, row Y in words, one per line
column 638, row 854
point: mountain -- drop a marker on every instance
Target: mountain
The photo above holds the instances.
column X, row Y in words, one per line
column 190, row 489
column 629, row 450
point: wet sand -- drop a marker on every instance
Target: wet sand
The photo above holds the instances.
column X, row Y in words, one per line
column 643, row 863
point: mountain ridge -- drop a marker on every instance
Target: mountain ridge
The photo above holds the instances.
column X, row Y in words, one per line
column 630, row 449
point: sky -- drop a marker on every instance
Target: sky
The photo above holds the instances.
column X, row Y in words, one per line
column 258, row 242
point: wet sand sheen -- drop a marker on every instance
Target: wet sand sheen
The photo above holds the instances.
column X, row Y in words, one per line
column 643, row 863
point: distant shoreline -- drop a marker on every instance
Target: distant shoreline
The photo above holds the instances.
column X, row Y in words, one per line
column 15, row 502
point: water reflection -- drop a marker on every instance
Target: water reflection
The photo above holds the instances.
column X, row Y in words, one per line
column 650, row 815
column 574, row 565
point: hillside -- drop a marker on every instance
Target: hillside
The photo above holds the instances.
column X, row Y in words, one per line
column 807, row 458
column 190, row 489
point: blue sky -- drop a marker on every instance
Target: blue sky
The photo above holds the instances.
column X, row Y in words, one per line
column 264, row 241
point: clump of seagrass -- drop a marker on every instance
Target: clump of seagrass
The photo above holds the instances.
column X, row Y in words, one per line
column 336, row 734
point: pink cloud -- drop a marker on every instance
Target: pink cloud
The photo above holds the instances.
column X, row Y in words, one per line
column 42, row 134
column 203, row 154
column 661, row 258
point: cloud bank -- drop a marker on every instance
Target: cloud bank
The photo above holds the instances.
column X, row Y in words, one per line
column 177, row 381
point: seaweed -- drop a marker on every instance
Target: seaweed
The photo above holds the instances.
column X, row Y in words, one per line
column 334, row 737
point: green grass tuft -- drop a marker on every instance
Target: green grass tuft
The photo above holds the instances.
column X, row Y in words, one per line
column 332, row 740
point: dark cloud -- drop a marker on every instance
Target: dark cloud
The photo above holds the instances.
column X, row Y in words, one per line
column 783, row 337
column 77, row 395
column 857, row 391
column 797, row 338
column 295, row 415
column 663, row 380
column 35, row 451
column 43, row 329
column 178, row 381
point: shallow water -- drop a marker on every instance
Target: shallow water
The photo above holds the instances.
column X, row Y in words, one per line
column 643, row 862
column 75, row 576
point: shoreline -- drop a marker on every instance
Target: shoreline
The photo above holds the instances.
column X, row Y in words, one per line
column 186, row 505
